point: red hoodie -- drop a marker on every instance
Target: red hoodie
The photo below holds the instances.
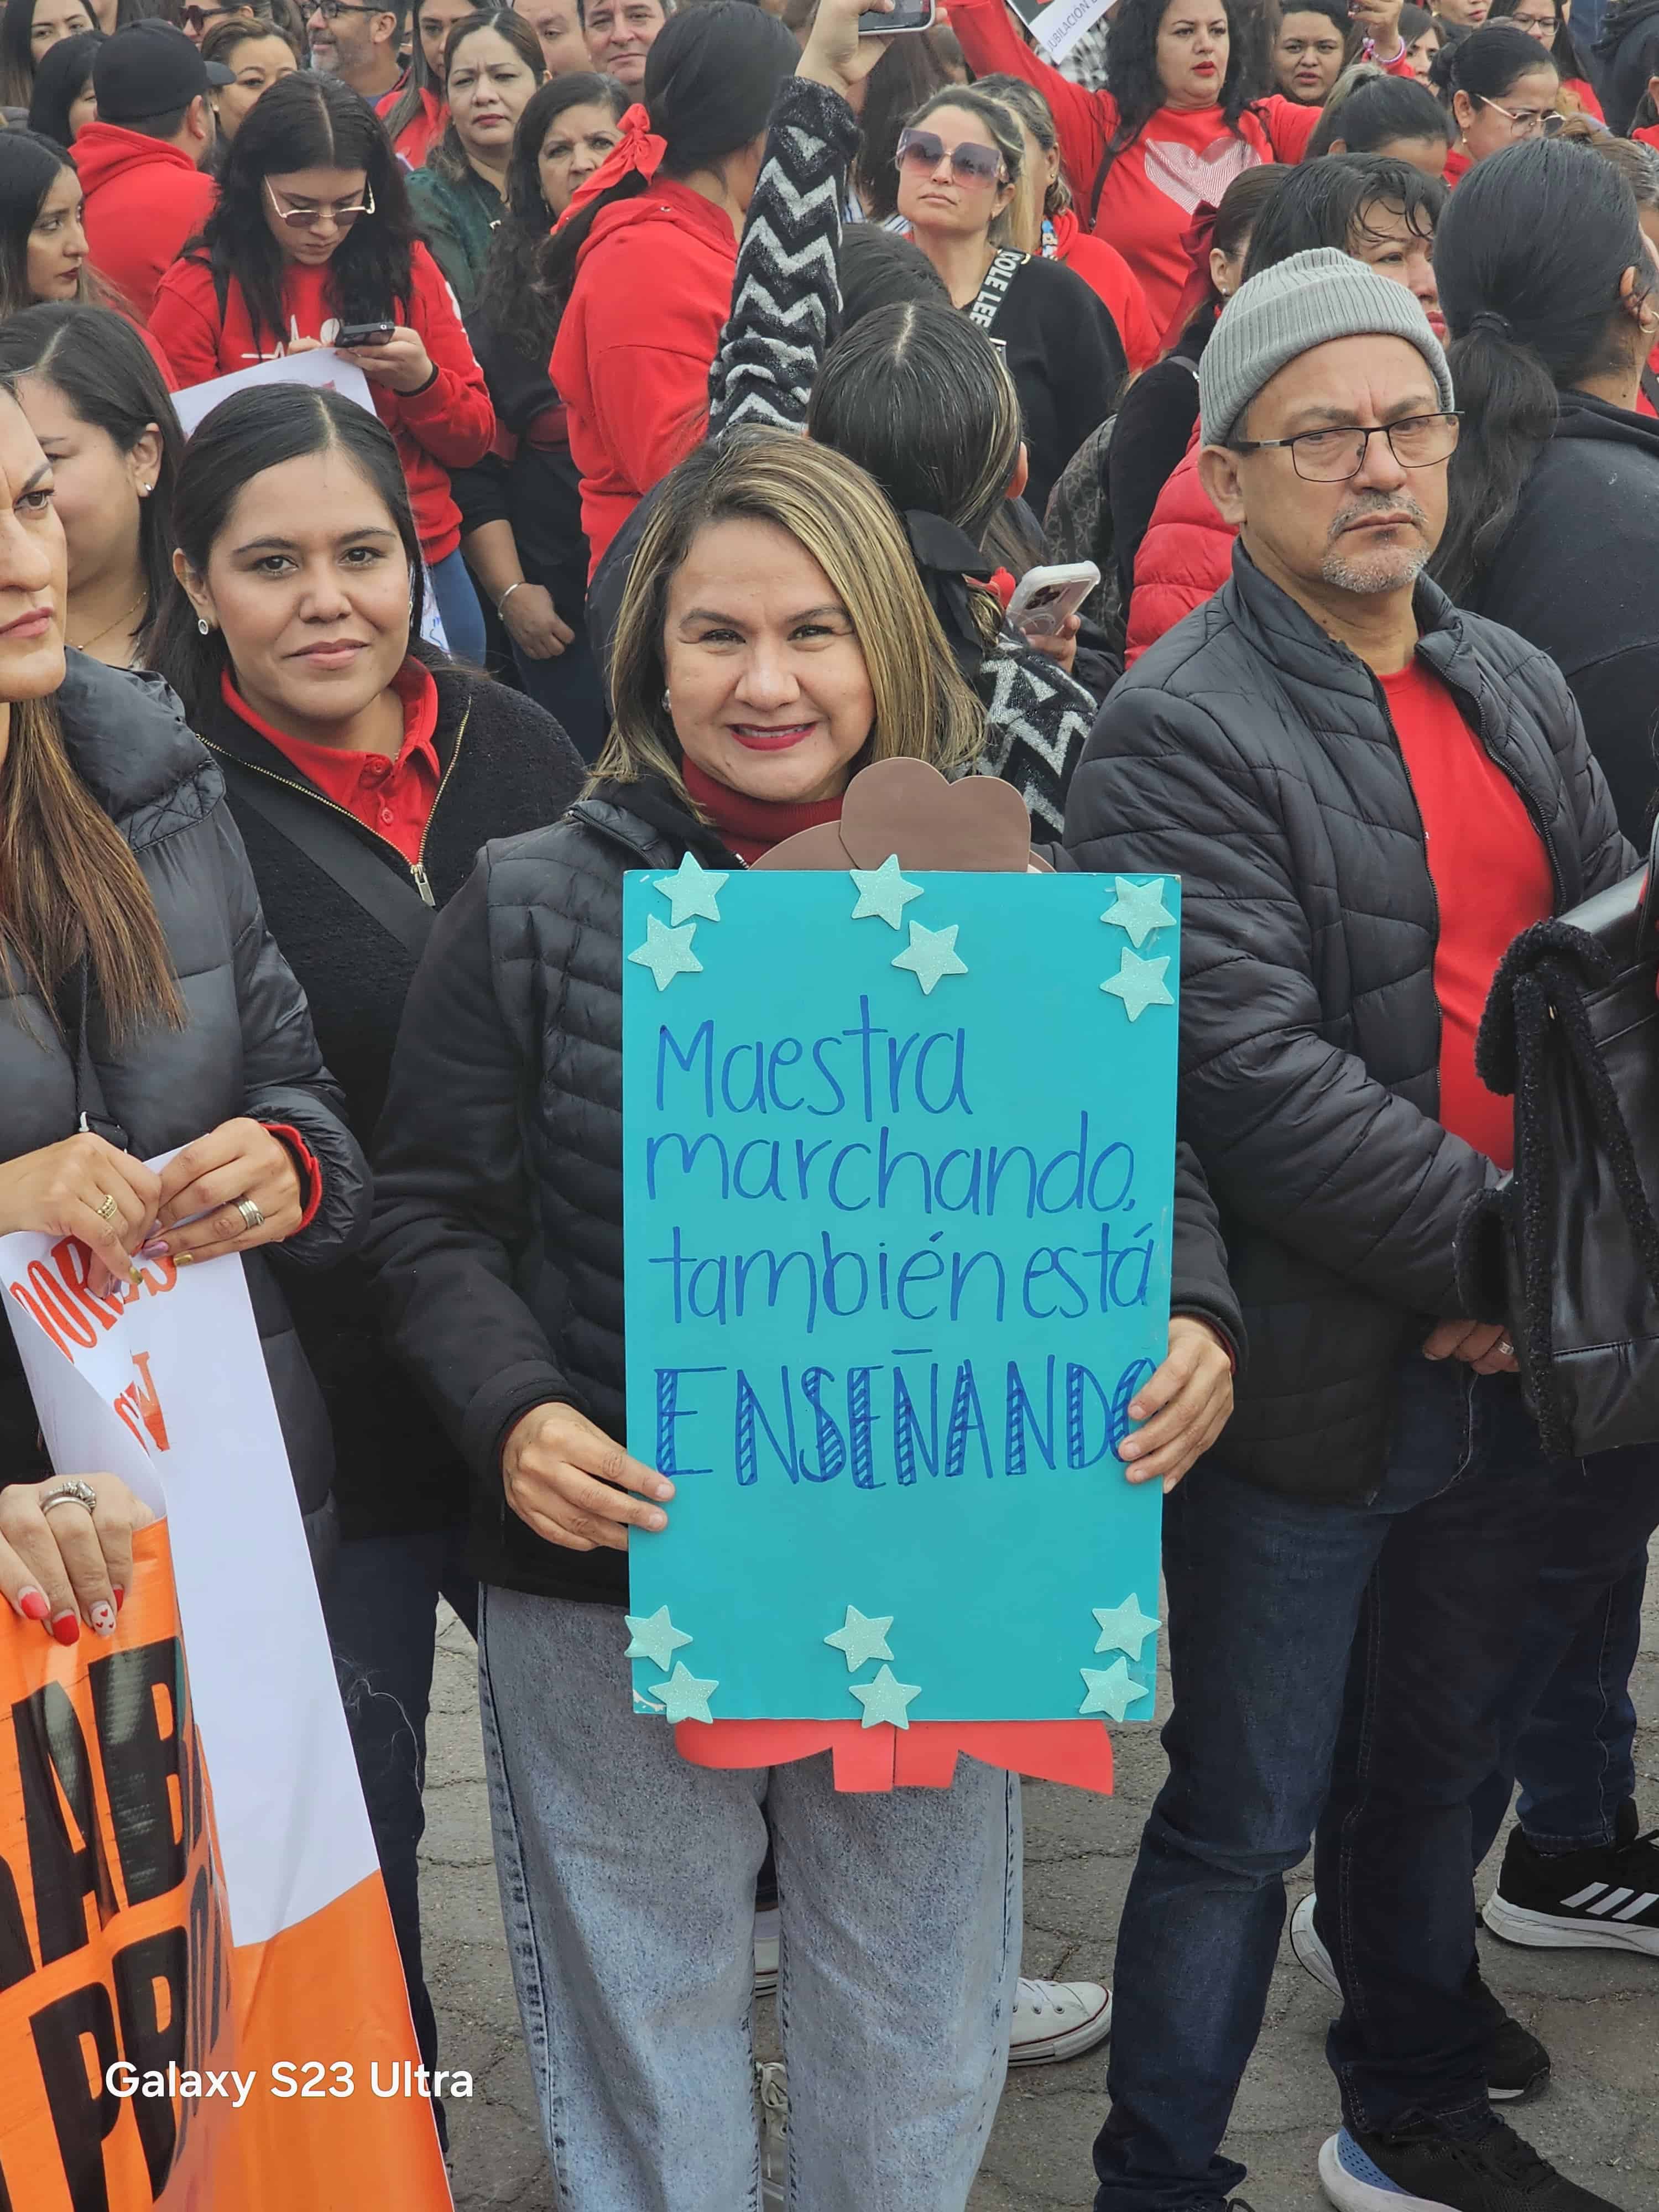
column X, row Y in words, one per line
column 448, row 425
column 1110, row 278
column 144, row 200
column 631, row 362
column 422, row 133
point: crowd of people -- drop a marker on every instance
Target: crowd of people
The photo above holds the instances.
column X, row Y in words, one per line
column 722, row 370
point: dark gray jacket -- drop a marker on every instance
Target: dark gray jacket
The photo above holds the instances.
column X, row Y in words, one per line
column 498, row 1206
column 248, row 1048
column 1253, row 756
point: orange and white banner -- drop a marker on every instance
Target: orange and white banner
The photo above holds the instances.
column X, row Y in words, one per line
column 201, row 2002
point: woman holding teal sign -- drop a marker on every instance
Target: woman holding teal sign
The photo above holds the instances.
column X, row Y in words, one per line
column 774, row 639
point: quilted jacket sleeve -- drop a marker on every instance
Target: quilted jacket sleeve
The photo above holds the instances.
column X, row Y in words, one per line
column 287, row 1082
column 1295, row 1135
column 1607, row 856
column 454, row 1208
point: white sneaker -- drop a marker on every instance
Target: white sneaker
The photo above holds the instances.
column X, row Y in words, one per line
column 766, row 1951
column 772, row 2113
column 1309, row 1953
column 1058, row 2020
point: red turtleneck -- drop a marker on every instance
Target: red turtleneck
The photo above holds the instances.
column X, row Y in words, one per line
column 752, row 826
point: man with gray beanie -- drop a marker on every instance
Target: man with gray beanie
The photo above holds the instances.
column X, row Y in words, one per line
column 1367, row 794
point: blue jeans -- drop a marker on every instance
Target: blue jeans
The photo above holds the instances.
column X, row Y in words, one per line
column 457, row 603
column 627, row 1887
column 1569, row 1729
column 381, row 1608
column 1341, row 1667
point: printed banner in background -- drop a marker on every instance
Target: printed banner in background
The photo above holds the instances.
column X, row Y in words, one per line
column 1057, row 25
column 201, row 2000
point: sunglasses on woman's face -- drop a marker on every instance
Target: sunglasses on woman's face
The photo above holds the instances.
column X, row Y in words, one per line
column 970, row 163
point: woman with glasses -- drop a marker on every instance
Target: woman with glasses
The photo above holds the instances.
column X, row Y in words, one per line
column 959, row 161
column 492, row 65
column 1549, row 22
column 258, row 55
column 313, row 235
column 29, row 29
column 640, row 268
column 1499, row 87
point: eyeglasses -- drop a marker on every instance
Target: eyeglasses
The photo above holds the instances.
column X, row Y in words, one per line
column 198, row 19
column 1526, row 122
column 970, row 163
column 332, row 10
column 311, row 218
column 1416, row 441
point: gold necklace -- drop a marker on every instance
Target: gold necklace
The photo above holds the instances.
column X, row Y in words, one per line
column 125, row 619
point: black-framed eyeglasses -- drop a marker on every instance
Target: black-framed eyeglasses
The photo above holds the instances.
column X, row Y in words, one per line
column 1526, row 122
column 198, row 19
column 1416, row 441
column 332, row 10
column 309, row 218
column 970, row 162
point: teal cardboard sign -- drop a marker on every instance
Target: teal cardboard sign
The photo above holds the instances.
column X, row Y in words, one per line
column 898, row 1166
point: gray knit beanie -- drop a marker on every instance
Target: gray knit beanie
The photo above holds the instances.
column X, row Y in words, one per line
column 1286, row 311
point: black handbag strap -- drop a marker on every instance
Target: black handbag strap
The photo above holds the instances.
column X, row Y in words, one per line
column 989, row 300
column 324, row 838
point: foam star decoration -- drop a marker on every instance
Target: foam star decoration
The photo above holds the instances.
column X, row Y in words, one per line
column 862, row 1638
column 693, row 889
column 683, row 1697
column 1139, row 908
column 1138, row 983
column 930, row 954
column 1112, row 1690
column 667, row 952
column 654, row 1638
column 886, row 1699
column 883, row 892
column 1124, row 1627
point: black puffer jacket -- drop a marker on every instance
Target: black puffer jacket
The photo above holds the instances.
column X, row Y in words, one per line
column 497, row 1231
column 1623, row 59
column 248, row 1048
column 1252, row 755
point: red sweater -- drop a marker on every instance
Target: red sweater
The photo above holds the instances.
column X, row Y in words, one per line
column 1182, row 157
column 449, row 425
column 144, row 200
column 416, row 139
column 631, row 362
column 1110, row 278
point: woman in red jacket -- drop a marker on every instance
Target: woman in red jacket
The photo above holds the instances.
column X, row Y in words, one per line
column 312, row 234
column 640, row 268
column 1176, row 125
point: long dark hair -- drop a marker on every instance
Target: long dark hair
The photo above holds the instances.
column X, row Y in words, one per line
column 1379, row 110
column 65, row 73
column 309, row 121
column 1132, row 75
column 244, row 436
column 29, row 167
column 1529, row 257
column 1324, row 203
column 508, row 297
column 905, row 74
column 710, row 79
column 104, row 369
column 16, row 54
column 417, row 79
column 1562, row 50
column 449, row 157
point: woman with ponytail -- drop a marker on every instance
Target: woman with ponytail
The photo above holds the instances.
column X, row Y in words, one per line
column 1550, row 295
column 1500, row 88
column 641, row 266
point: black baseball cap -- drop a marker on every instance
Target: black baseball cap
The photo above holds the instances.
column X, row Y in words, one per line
column 149, row 69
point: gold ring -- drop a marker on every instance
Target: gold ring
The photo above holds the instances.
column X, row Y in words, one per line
column 108, row 1211
column 251, row 1217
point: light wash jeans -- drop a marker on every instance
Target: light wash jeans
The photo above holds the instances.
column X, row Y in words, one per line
column 627, row 1886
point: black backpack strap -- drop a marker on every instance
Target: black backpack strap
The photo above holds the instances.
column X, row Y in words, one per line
column 325, row 839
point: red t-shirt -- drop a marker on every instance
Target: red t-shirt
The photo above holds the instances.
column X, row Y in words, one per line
column 1491, row 880
column 394, row 799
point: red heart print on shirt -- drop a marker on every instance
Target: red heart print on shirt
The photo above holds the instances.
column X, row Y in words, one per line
column 1190, row 177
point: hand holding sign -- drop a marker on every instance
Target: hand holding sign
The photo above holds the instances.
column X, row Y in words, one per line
column 55, row 1564
column 204, row 1186
column 1185, row 1406
column 84, row 1188
column 569, row 1481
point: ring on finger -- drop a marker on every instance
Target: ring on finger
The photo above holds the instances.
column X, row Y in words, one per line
column 72, row 1492
column 251, row 1217
column 1506, row 1348
column 107, row 1210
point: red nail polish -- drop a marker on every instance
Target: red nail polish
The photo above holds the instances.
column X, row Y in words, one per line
column 67, row 1628
column 120, row 1597
column 32, row 1605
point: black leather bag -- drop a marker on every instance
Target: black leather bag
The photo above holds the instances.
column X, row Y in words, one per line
column 1565, row 1251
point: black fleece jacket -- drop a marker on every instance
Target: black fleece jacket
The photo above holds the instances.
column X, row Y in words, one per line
column 497, row 1236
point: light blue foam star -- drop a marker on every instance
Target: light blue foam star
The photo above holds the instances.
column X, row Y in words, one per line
column 1139, row 908
column 883, row 892
column 886, row 1699
column 683, row 1697
column 862, row 1637
column 1124, row 1627
column 654, row 1638
column 930, row 954
column 1112, row 1690
column 1139, row 983
column 692, row 889
column 667, row 952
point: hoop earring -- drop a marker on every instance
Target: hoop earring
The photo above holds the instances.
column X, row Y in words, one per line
column 202, row 624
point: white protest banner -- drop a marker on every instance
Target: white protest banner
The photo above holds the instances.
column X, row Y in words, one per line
column 1059, row 26
column 237, row 1912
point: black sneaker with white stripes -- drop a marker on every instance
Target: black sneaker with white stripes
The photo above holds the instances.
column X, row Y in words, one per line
column 1606, row 1898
